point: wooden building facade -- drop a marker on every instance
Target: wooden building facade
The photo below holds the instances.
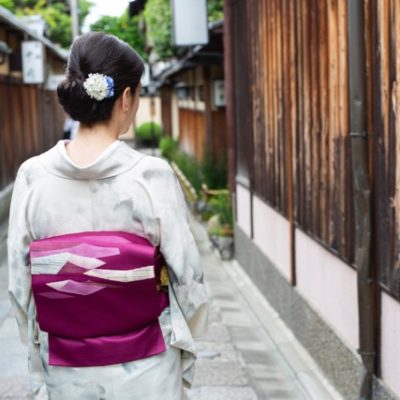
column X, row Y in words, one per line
column 191, row 110
column 31, row 119
column 320, row 83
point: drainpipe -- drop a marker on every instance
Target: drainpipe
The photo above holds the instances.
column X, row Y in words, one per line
column 362, row 196
column 229, row 109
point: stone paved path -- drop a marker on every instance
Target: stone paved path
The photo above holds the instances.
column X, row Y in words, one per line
column 249, row 353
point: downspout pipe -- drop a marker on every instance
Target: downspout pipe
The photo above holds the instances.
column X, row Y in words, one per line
column 229, row 109
column 361, row 196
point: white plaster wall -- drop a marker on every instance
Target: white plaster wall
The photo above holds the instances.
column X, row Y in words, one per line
column 329, row 285
column 390, row 342
column 271, row 234
column 243, row 208
column 143, row 113
column 175, row 116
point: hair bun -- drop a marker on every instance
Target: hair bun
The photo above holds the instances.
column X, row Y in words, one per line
column 74, row 100
column 101, row 55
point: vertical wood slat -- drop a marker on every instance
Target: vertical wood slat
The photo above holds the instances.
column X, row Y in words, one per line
column 306, row 114
column 263, row 177
column 261, row 73
column 315, row 133
column 346, row 222
column 299, row 131
column 382, row 133
column 275, row 150
column 8, row 135
column 392, row 164
column 288, row 63
column 281, row 140
column 3, row 164
column 293, row 108
column 254, row 66
column 396, row 107
column 21, row 119
column 333, row 119
column 269, row 105
column 324, row 112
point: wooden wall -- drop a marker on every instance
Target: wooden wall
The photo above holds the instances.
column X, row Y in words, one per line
column 291, row 118
column 166, row 109
column 295, row 84
column 218, row 134
column 192, row 128
column 31, row 121
column 383, row 51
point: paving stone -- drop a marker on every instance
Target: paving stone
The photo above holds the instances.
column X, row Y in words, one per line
column 15, row 388
column 282, row 391
column 240, row 334
column 238, row 318
column 222, row 393
column 15, row 365
column 219, row 373
column 216, row 333
column 244, row 345
column 225, row 351
column 227, row 305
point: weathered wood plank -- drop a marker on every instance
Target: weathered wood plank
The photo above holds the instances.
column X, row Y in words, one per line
column 346, row 222
column 333, row 120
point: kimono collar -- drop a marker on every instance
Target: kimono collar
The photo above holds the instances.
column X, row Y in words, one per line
column 117, row 158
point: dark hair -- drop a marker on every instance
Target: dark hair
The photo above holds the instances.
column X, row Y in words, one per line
column 97, row 52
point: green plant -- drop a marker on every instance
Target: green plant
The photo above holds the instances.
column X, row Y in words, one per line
column 215, row 173
column 168, row 147
column 9, row 4
column 124, row 27
column 56, row 13
column 215, row 10
column 158, row 18
column 222, row 206
column 149, row 131
column 190, row 168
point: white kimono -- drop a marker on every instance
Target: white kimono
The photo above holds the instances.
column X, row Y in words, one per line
column 122, row 190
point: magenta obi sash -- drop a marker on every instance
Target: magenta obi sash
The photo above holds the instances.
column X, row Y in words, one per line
column 98, row 296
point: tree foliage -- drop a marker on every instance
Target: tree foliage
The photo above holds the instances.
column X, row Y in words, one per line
column 158, row 18
column 56, row 13
column 7, row 4
column 124, row 27
column 215, row 10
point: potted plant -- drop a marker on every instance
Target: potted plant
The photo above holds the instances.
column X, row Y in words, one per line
column 220, row 226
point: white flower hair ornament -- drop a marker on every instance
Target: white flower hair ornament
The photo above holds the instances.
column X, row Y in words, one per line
column 99, row 86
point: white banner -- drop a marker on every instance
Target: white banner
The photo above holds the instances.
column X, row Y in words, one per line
column 33, row 54
column 190, row 22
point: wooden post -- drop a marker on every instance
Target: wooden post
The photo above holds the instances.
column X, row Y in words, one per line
column 229, row 74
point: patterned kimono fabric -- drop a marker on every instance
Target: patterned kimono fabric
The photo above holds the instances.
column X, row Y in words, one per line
column 105, row 278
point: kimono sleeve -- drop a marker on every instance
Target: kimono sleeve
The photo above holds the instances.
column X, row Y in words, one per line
column 19, row 281
column 181, row 254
